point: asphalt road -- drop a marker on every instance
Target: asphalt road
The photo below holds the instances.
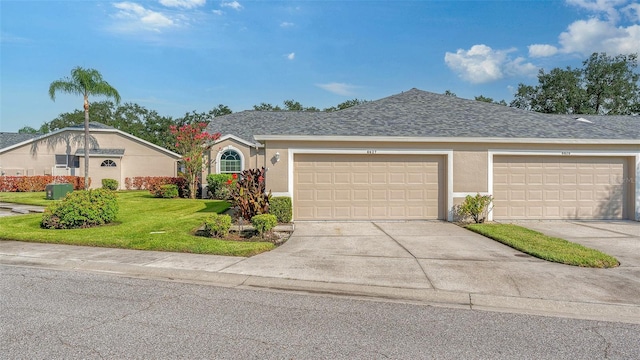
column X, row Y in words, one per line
column 63, row 314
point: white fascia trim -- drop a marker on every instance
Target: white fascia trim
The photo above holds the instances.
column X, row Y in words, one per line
column 374, row 151
column 240, row 140
column 40, row 138
column 222, row 150
column 567, row 153
column 444, row 139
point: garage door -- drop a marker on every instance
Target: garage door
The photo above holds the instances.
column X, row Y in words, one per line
column 368, row 187
column 539, row 187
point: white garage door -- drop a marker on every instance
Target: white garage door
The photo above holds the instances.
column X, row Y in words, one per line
column 551, row 187
column 368, row 187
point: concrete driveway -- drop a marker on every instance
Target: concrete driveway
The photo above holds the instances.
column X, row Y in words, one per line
column 620, row 239
column 439, row 256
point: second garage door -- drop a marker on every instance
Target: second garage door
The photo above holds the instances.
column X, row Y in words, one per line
column 551, row 187
column 368, row 187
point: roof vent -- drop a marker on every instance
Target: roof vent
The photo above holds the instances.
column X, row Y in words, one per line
column 584, row 120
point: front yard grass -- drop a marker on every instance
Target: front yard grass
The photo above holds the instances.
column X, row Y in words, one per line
column 545, row 247
column 143, row 223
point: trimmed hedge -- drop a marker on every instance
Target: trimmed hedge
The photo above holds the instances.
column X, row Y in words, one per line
column 264, row 223
column 217, row 225
column 110, row 184
column 168, row 191
column 280, row 206
column 81, row 209
column 152, row 183
column 38, row 183
column 220, row 185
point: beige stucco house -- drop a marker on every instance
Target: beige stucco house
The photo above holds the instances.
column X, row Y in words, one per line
column 114, row 154
column 417, row 154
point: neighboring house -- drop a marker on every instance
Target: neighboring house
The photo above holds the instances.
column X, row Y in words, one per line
column 114, row 154
column 417, row 154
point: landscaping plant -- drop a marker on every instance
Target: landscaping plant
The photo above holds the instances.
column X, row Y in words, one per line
column 248, row 196
column 168, row 191
column 264, row 223
column 192, row 142
column 477, row 207
column 217, row 225
column 110, row 184
column 81, row 209
column 220, row 185
column 280, row 206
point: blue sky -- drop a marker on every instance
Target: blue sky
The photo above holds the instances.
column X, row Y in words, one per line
column 175, row 56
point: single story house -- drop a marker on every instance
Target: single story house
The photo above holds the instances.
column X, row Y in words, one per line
column 416, row 155
column 113, row 154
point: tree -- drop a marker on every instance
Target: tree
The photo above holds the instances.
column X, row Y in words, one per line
column 345, row 105
column 490, row 100
column 27, row 130
column 266, row 107
column 612, row 86
column 605, row 86
column 84, row 82
column 450, row 93
column 221, row 110
column 191, row 142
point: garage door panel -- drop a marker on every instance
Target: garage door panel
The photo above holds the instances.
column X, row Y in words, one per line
column 558, row 187
column 369, row 187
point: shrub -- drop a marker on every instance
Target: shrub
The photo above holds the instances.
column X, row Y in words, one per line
column 151, row 183
column 217, row 225
column 248, row 195
column 110, row 184
column 38, row 182
column 168, row 191
column 280, row 206
column 264, row 223
column 475, row 207
column 220, row 185
column 81, row 209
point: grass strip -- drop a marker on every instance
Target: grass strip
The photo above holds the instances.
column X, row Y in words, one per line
column 545, row 247
column 143, row 223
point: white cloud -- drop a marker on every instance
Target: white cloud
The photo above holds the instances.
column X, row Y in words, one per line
column 217, row 12
column 291, row 56
column 187, row 4
column 604, row 31
column 482, row 64
column 600, row 6
column 285, row 24
column 632, row 11
column 232, row 4
column 338, row 88
column 136, row 17
column 542, row 50
column 593, row 35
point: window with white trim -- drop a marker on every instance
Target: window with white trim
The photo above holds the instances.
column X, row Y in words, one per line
column 230, row 162
column 108, row 163
column 67, row 161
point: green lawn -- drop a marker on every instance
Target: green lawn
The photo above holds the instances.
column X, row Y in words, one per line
column 143, row 222
column 545, row 247
column 28, row 198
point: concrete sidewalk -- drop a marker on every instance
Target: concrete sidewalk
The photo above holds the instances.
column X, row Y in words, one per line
column 430, row 263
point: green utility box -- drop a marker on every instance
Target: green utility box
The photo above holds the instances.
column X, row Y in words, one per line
column 57, row 191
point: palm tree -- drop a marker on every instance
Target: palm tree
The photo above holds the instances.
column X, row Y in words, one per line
column 84, row 82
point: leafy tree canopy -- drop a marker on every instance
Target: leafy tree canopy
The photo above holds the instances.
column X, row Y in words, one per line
column 605, row 85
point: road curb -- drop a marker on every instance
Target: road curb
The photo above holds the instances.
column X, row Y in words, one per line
column 626, row 313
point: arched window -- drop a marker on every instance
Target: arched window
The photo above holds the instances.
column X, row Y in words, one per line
column 230, row 162
column 108, row 163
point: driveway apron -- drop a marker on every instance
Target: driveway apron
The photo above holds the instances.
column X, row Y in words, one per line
column 432, row 255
